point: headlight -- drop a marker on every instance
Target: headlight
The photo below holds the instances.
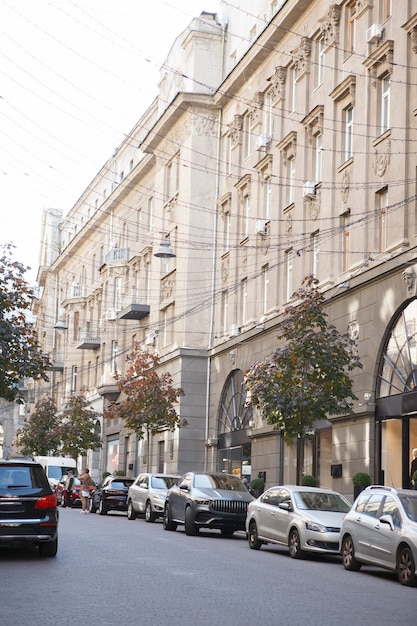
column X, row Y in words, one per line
column 318, row 528
column 203, row 501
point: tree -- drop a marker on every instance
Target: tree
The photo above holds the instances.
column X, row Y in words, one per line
column 77, row 427
column 71, row 432
column 38, row 435
column 20, row 356
column 307, row 378
column 149, row 397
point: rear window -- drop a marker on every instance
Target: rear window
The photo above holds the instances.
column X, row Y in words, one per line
column 20, row 477
column 121, row 484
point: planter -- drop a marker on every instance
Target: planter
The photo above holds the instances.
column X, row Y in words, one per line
column 360, row 480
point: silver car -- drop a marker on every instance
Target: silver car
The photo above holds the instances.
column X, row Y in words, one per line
column 381, row 529
column 306, row 519
column 147, row 495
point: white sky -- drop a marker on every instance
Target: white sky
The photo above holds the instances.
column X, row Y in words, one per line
column 75, row 76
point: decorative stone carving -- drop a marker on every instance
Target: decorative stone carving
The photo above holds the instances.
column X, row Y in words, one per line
column 345, row 186
column 329, row 25
column 168, row 287
column 278, row 83
column 302, row 56
column 410, row 279
column 353, row 334
column 236, row 130
column 204, row 123
column 413, row 35
column 255, row 111
column 381, row 161
column 225, row 270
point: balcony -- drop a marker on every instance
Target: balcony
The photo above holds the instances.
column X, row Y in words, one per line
column 134, row 312
column 88, row 339
column 117, row 255
column 57, row 363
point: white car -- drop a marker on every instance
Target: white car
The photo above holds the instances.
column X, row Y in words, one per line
column 381, row 530
column 306, row 519
column 147, row 495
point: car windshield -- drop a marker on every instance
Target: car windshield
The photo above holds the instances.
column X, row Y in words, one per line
column 410, row 506
column 321, row 501
column 120, row 484
column 218, row 481
column 163, row 482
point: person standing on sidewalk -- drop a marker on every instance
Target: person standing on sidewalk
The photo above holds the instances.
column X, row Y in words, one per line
column 86, row 482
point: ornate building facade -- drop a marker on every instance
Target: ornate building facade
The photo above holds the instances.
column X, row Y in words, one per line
column 281, row 143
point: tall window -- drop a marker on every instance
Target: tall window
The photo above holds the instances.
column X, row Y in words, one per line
column 74, row 375
column 247, row 131
column 315, row 245
column 117, row 294
column 294, row 80
column 348, row 131
column 289, row 278
column 386, row 9
column 320, row 61
column 150, row 214
column 244, row 299
column 318, row 156
column 229, row 154
column 382, row 198
column 346, row 240
column 225, row 311
column 351, row 9
column 269, row 114
column 161, row 456
column 291, row 179
column 167, row 325
column 114, row 356
column 76, row 327
column 385, row 86
column 227, row 220
column 172, row 177
column 265, row 288
column 246, row 215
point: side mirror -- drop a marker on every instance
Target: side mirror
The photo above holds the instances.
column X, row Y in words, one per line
column 387, row 519
column 143, row 485
column 184, row 487
column 285, row 506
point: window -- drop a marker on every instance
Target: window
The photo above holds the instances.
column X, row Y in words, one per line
column 385, row 87
column 167, row 325
column 386, row 9
column 288, row 148
column 351, row 10
column 291, row 179
column 150, row 214
column 229, row 154
column 247, row 135
column 225, row 209
column 269, row 113
column 293, row 85
column 76, row 328
column 74, row 379
column 348, row 131
column 321, row 48
column 382, row 199
column 315, row 246
column 117, row 294
column 289, row 278
column 225, row 311
column 172, row 177
column 265, row 288
column 161, row 456
column 244, row 299
column 318, row 156
column 346, row 240
column 114, row 356
column 265, row 187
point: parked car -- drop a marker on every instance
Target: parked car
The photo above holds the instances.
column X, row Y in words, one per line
column 111, row 495
column 207, row 500
column 75, row 495
column 306, row 519
column 147, row 495
column 381, row 530
column 28, row 511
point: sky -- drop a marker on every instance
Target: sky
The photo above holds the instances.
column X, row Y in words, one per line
column 75, row 77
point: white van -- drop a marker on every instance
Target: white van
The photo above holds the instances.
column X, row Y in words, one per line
column 55, row 467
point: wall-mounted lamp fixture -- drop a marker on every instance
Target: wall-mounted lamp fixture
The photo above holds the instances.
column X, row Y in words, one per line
column 165, row 251
column 61, row 325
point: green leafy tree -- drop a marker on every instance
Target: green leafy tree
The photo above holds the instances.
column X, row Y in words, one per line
column 20, row 356
column 38, row 436
column 77, row 427
column 149, row 398
column 307, row 379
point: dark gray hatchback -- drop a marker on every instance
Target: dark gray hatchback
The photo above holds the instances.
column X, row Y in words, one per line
column 28, row 511
column 207, row 500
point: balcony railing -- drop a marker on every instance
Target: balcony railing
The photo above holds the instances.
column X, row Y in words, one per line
column 88, row 339
column 117, row 255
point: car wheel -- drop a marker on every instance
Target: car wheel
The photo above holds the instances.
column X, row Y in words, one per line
column 294, row 544
column 48, row 549
column 167, row 522
column 149, row 514
column 131, row 513
column 190, row 528
column 348, row 555
column 101, row 508
column 406, row 567
column 254, row 542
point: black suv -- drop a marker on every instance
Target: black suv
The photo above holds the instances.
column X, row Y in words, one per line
column 207, row 500
column 28, row 511
column 111, row 496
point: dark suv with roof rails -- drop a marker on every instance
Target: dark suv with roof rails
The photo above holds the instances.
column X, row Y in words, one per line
column 28, row 511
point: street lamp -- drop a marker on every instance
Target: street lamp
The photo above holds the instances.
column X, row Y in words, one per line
column 165, row 252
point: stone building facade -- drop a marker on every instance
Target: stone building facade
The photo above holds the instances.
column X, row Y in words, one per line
column 281, row 144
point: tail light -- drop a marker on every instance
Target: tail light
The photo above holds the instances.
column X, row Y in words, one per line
column 46, row 502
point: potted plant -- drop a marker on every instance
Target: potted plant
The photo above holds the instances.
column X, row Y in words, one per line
column 414, row 486
column 309, row 481
column 360, row 481
column 257, row 485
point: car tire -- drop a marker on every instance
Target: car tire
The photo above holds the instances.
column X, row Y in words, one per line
column 294, row 544
column 167, row 522
column 253, row 539
column 48, row 549
column 149, row 514
column 190, row 528
column 131, row 513
column 101, row 508
column 406, row 567
column 348, row 555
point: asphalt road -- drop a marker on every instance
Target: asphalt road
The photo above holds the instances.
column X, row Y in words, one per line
column 112, row 571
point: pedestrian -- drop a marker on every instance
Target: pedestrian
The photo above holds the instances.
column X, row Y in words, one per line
column 86, row 482
column 68, row 488
column 413, row 469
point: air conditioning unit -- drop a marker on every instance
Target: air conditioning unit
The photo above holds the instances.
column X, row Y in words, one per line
column 261, row 227
column 309, row 190
column 111, row 315
column 234, row 330
column 262, row 142
column 374, row 33
column 150, row 339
